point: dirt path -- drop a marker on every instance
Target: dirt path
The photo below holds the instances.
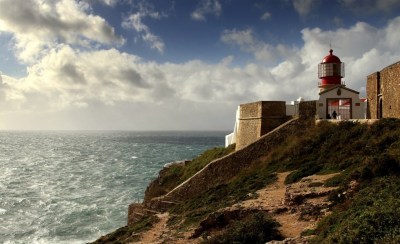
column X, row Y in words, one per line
column 161, row 233
column 273, row 199
column 276, row 199
column 154, row 235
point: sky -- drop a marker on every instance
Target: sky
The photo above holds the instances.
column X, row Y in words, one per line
column 178, row 64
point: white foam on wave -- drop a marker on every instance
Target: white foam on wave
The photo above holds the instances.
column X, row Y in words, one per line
column 134, row 157
column 2, row 211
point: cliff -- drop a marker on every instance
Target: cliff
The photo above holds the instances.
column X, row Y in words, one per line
column 299, row 183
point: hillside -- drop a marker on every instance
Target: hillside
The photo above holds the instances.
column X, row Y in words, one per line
column 319, row 184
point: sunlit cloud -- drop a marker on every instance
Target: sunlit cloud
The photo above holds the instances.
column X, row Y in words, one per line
column 41, row 25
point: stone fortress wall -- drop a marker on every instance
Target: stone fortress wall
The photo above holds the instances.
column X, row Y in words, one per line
column 383, row 93
column 257, row 119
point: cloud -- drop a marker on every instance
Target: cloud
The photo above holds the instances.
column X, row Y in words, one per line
column 134, row 21
column 109, row 2
column 206, row 7
column 266, row 16
column 66, row 78
column 38, row 25
column 363, row 47
column 238, row 37
column 304, row 7
column 106, row 89
column 247, row 42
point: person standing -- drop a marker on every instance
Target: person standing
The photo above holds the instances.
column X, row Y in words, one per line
column 334, row 114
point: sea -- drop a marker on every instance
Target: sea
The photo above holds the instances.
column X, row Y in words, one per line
column 75, row 186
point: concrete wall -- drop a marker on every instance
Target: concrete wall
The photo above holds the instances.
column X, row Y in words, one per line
column 389, row 81
column 257, row 119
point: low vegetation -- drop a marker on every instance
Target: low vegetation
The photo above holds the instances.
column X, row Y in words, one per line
column 365, row 212
column 193, row 210
column 175, row 174
column 371, row 216
column 256, row 228
column 128, row 234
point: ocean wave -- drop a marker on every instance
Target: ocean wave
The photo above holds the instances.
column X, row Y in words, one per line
column 74, row 187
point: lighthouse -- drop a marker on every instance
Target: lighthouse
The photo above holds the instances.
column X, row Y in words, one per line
column 336, row 101
column 330, row 71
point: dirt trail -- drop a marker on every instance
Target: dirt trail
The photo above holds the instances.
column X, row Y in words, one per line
column 290, row 205
column 154, row 235
column 161, row 233
column 274, row 199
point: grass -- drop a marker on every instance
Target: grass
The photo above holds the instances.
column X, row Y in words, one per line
column 357, row 151
column 369, row 155
column 177, row 173
column 372, row 216
column 126, row 234
column 257, row 228
column 193, row 210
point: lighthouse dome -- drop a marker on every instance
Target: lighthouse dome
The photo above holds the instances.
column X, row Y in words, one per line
column 331, row 58
column 330, row 71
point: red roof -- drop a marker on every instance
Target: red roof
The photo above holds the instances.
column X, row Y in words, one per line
column 331, row 58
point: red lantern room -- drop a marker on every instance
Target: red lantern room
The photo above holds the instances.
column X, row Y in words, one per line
column 330, row 71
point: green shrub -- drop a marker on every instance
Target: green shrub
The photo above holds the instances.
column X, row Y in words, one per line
column 303, row 172
column 256, row 228
column 308, row 232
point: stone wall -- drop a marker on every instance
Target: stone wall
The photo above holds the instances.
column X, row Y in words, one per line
column 390, row 85
column 223, row 169
column 372, row 95
column 384, row 85
column 307, row 109
column 257, row 119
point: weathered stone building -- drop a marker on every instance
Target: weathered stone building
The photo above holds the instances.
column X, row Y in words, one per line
column 383, row 93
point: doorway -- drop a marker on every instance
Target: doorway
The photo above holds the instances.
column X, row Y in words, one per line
column 339, row 108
